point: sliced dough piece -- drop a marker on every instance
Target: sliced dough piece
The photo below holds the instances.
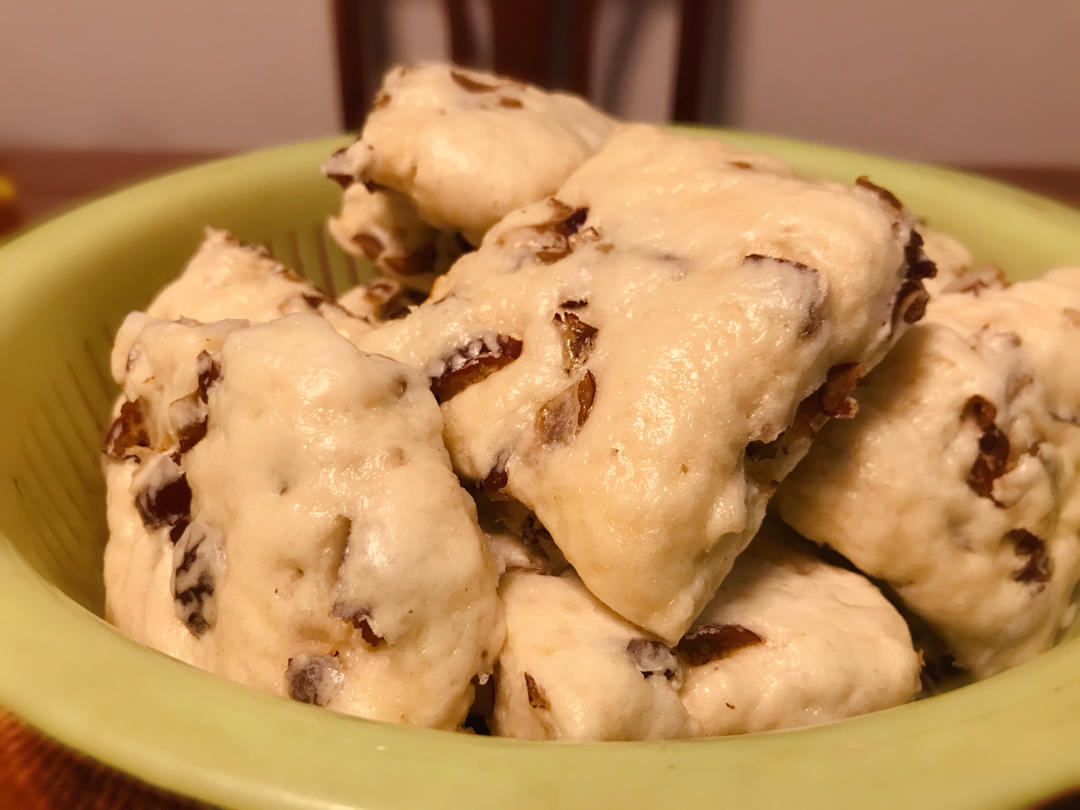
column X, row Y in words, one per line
column 788, row 641
column 227, row 278
column 791, row 641
column 628, row 359
column 573, row 670
column 956, row 484
column 291, row 498
column 448, row 150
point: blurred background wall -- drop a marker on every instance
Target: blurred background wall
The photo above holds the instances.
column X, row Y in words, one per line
column 975, row 81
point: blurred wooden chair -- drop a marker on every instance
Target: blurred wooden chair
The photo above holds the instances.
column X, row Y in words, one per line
column 547, row 42
column 9, row 215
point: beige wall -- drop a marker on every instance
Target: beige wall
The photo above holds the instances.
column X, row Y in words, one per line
column 165, row 74
column 975, row 80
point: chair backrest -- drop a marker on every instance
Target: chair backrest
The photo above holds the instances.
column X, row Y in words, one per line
column 547, row 42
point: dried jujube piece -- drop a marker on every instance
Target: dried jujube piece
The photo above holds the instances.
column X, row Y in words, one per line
column 912, row 297
column 551, row 240
column 381, row 291
column 371, row 246
column 417, row 263
column 652, row 657
column 188, row 417
column 911, row 301
column 994, row 457
column 208, row 372
column 836, row 399
column 939, row 671
column 128, row 430
column 315, row 302
column 578, row 339
column 1038, row 566
column 886, row 196
column 471, row 85
column 360, row 618
column 808, row 420
column 196, row 558
column 537, row 698
column 831, row 400
column 759, row 257
column 919, row 265
column 313, row 679
column 981, row 410
column 349, row 602
column 496, row 479
column 390, row 300
column 560, row 418
column 473, row 362
column 176, row 531
column 573, row 222
column 165, row 499
column 190, row 434
column 713, row 641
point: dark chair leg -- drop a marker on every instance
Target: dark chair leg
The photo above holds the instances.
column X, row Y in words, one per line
column 360, row 26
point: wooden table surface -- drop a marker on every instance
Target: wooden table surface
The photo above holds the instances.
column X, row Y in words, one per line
column 36, row 774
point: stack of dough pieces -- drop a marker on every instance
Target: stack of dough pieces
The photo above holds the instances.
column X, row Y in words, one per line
column 640, row 359
column 619, row 343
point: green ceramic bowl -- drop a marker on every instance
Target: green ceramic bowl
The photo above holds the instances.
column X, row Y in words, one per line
column 64, row 287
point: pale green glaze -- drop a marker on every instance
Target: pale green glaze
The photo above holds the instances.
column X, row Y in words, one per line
column 1001, row 743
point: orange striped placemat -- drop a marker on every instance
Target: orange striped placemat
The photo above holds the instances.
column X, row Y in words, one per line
column 39, row 774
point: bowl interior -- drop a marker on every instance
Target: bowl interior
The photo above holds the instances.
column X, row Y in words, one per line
column 64, row 288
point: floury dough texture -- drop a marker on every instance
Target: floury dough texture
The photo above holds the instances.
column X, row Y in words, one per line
column 447, row 150
column 792, row 641
column 970, row 432
column 642, row 358
column 282, row 512
column 227, row 278
column 573, row 670
column 788, row 641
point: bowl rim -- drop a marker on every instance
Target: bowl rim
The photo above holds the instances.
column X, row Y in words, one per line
column 1001, row 742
